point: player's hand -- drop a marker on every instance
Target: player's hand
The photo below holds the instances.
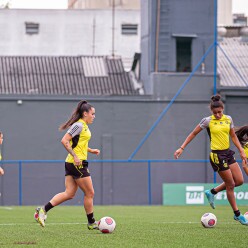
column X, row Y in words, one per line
column 95, row 151
column 243, row 156
column 1, row 171
column 178, row 153
column 77, row 161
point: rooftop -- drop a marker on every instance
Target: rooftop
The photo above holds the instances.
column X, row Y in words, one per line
column 64, row 75
column 235, row 51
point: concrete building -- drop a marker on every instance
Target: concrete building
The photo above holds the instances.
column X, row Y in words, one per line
column 71, row 33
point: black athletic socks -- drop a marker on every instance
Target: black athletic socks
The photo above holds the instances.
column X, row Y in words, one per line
column 48, row 206
column 91, row 218
column 213, row 191
column 237, row 213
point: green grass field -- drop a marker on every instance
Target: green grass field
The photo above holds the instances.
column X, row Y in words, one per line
column 137, row 226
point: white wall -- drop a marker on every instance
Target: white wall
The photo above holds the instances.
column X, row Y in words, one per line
column 225, row 13
column 68, row 32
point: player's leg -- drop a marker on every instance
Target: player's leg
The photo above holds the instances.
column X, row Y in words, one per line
column 237, row 177
column 70, row 191
column 221, row 162
column 237, row 174
column 228, row 178
column 214, row 161
column 86, row 186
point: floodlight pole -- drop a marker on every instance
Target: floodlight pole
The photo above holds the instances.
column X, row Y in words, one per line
column 215, row 55
column 215, row 45
column 113, row 28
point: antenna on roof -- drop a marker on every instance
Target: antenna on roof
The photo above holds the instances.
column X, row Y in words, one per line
column 113, row 28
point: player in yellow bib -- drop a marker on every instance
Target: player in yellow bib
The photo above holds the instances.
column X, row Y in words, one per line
column 77, row 174
column 220, row 127
column 242, row 134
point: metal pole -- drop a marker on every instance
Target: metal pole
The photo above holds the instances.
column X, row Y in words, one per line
column 20, row 183
column 113, row 28
column 94, row 36
column 215, row 54
column 157, row 34
column 149, row 184
column 215, row 46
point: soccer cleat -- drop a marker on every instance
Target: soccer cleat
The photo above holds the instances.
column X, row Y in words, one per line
column 41, row 213
column 241, row 219
column 93, row 226
column 210, row 198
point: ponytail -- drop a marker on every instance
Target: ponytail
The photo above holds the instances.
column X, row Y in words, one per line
column 83, row 106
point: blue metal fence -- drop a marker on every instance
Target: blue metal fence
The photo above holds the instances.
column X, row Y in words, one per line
column 149, row 164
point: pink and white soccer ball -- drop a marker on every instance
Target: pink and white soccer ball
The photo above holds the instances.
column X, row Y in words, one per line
column 106, row 224
column 208, row 220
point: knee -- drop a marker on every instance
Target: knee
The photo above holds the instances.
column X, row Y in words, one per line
column 70, row 195
column 230, row 186
column 90, row 194
column 239, row 182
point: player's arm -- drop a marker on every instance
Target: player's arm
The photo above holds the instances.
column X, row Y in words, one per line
column 238, row 145
column 66, row 143
column 94, row 151
column 190, row 137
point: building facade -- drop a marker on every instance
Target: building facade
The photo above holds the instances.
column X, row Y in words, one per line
column 70, row 32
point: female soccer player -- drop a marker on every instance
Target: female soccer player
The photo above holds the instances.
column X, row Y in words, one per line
column 77, row 173
column 220, row 127
column 242, row 134
column 1, row 142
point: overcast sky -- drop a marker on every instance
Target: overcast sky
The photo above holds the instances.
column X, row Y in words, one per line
column 239, row 6
column 39, row 4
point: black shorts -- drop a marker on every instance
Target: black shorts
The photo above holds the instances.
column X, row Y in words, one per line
column 75, row 171
column 220, row 160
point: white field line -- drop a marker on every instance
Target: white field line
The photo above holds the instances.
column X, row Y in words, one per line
column 191, row 222
column 6, row 208
column 75, row 223
column 29, row 224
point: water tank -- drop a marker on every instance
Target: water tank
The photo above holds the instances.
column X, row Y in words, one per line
column 221, row 31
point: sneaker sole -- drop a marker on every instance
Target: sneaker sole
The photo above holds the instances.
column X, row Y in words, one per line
column 40, row 222
column 96, row 228
column 212, row 205
column 245, row 224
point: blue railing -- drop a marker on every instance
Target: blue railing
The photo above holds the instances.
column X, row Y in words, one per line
column 148, row 162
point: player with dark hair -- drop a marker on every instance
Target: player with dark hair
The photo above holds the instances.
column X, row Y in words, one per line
column 77, row 174
column 220, row 127
column 242, row 134
column 1, row 142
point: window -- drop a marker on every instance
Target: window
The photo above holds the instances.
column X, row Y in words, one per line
column 32, row 28
column 129, row 29
column 183, row 54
